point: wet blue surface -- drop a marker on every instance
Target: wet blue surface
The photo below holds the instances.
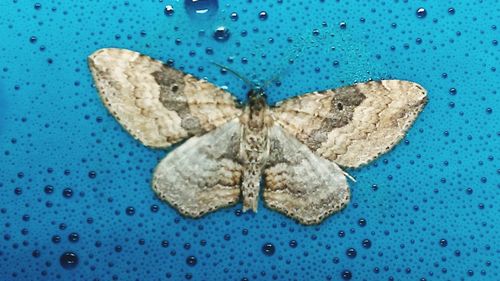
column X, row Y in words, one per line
column 75, row 196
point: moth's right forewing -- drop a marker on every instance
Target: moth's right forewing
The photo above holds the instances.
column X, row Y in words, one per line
column 355, row 124
column 156, row 104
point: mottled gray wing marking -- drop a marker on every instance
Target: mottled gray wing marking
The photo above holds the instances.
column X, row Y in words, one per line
column 353, row 125
column 203, row 174
column 156, row 104
column 301, row 184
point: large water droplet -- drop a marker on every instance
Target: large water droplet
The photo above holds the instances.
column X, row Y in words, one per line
column 68, row 260
column 201, row 8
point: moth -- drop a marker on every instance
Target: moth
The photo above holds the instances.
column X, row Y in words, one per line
column 297, row 146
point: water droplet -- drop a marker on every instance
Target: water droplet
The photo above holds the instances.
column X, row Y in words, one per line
column 201, row 8
column 36, row 253
column 351, row 252
column 130, row 211
column 169, row 10
column 68, row 260
column 443, row 243
column 268, row 249
column 263, row 15
column 366, row 243
column 191, row 261
column 421, row 13
column 49, row 189
column 56, row 239
column 221, row 34
column 346, row 275
column 234, row 16
column 73, row 237
column 67, row 192
column 343, row 25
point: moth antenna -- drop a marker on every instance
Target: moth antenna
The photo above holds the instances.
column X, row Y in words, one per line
column 273, row 78
column 235, row 73
column 349, row 176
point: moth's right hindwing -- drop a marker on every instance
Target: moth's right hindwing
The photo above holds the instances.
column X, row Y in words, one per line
column 156, row 104
column 299, row 183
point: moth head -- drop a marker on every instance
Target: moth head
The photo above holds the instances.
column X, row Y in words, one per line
column 256, row 96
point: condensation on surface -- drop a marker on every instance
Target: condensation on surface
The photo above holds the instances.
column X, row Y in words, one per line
column 75, row 195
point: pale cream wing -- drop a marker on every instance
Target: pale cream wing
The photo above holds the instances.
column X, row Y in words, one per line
column 203, row 174
column 299, row 183
column 355, row 124
column 157, row 104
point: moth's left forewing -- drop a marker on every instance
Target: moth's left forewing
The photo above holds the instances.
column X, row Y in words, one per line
column 355, row 124
column 157, row 104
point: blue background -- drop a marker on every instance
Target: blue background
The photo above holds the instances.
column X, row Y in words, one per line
column 430, row 207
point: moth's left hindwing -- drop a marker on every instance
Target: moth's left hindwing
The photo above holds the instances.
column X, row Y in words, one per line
column 204, row 173
column 156, row 104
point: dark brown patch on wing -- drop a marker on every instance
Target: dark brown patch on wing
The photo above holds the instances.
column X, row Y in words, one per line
column 172, row 96
column 344, row 102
